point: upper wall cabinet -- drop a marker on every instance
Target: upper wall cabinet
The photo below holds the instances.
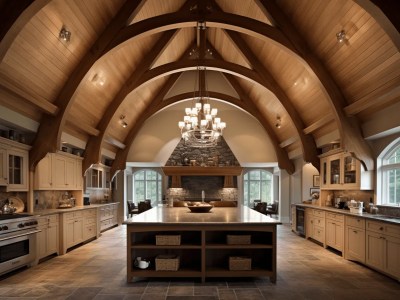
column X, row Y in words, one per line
column 59, row 171
column 341, row 171
column 97, row 177
column 14, row 160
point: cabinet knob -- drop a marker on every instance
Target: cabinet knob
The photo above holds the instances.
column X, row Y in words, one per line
column 381, row 228
column 333, row 223
column 354, row 231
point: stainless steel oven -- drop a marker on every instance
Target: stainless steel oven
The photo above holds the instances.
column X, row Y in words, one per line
column 17, row 242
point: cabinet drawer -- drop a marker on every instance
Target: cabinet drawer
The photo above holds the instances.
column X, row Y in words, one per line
column 380, row 227
column 319, row 234
column 319, row 222
column 90, row 221
column 90, row 213
column 355, row 222
column 318, row 213
column 335, row 217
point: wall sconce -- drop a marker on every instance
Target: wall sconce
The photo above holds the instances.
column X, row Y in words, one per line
column 122, row 121
column 278, row 123
column 341, row 36
column 65, row 35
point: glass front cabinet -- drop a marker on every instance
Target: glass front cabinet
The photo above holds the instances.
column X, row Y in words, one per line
column 341, row 171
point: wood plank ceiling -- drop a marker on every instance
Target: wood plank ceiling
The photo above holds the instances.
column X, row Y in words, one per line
column 281, row 57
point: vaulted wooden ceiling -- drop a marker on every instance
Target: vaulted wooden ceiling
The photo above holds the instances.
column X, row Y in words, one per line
column 281, row 57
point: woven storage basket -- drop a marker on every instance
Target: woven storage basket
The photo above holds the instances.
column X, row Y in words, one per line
column 238, row 239
column 167, row 263
column 239, row 263
column 165, row 240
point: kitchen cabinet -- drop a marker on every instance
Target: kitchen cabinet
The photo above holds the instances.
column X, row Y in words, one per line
column 59, row 171
column 315, row 225
column 48, row 238
column 341, row 171
column 14, row 160
column 97, row 177
column 355, row 239
column 383, row 247
column 203, row 251
column 72, row 230
column 293, row 224
column 90, row 224
column 108, row 216
column 334, row 231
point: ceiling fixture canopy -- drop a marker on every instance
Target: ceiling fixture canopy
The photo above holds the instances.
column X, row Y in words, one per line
column 341, row 36
column 201, row 127
column 65, row 35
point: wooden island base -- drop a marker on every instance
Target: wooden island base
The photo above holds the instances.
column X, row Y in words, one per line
column 203, row 249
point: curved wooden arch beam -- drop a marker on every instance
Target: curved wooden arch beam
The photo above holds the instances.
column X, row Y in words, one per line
column 94, row 145
column 122, row 154
column 309, row 148
column 349, row 128
column 48, row 137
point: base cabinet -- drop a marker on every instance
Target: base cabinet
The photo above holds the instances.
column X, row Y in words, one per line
column 315, row 225
column 48, row 238
column 72, row 230
column 383, row 248
column 108, row 216
column 355, row 239
column 203, row 251
column 90, row 224
column 334, row 237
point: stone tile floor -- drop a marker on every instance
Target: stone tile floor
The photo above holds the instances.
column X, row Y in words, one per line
column 97, row 270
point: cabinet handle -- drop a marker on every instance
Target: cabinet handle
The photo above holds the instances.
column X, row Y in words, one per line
column 354, row 231
column 381, row 228
column 358, row 220
column 333, row 223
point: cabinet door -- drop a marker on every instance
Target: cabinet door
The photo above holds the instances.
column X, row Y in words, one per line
column 375, row 250
column 339, row 236
column 355, row 244
column 17, row 170
column 52, row 239
column 309, row 226
column 392, row 262
column 294, row 218
column 42, row 242
column 351, row 172
column 59, row 171
column 334, row 169
column 324, row 173
column 330, row 234
column 70, row 173
column 78, row 230
column 78, row 174
column 43, row 174
column 3, row 167
column 69, row 234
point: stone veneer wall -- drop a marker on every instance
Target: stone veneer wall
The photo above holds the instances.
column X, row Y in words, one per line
column 220, row 155
column 212, row 186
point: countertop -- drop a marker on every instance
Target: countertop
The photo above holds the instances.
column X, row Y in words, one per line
column 217, row 215
column 45, row 212
column 376, row 217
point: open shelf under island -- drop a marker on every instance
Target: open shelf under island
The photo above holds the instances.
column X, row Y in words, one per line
column 203, row 250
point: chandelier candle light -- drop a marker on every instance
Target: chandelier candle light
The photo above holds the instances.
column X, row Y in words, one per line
column 200, row 127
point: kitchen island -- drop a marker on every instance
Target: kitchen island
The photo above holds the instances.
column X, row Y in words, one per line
column 203, row 250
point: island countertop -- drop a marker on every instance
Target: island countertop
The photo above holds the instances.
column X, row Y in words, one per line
column 218, row 215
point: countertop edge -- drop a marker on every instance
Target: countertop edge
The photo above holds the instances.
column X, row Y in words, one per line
column 373, row 217
column 53, row 211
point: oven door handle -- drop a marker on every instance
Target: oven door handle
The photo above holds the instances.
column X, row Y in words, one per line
column 19, row 235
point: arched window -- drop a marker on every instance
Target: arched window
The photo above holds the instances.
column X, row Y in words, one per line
column 147, row 184
column 257, row 186
column 388, row 179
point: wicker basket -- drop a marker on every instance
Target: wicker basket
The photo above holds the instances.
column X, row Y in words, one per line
column 168, row 240
column 239, row 263
column 167, row 263
column 238, row 239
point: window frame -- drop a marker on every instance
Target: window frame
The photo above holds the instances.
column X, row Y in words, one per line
column 383, row 167
column 246, row 198
column 146, row 182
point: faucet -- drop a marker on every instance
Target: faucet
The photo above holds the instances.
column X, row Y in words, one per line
column 202, row 196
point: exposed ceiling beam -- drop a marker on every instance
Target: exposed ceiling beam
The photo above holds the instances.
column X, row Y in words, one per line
column 318, row 124
column 48, row 138
column 310, row 152
column 83, row 126
column 350, row 130
column 93, row 149
column 41, row 103
column 114, row 142
column 289, row 141
column 372, row 99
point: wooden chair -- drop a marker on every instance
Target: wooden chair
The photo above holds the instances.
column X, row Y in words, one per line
column 143, row 206
column 132, row 209
column 273, row 210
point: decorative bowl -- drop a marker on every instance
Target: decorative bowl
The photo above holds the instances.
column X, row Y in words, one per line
column 200, row 208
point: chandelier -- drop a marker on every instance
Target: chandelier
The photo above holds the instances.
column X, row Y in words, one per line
column 201, row 127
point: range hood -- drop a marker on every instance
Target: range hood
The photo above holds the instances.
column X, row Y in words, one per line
column 176, row 172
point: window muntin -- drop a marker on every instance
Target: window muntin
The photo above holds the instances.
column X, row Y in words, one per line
column 147, row 184
column 257, row 186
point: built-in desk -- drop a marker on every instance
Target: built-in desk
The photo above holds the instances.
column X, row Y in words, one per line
column 203, row 250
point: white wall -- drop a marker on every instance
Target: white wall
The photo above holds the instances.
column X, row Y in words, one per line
column 308, row 172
